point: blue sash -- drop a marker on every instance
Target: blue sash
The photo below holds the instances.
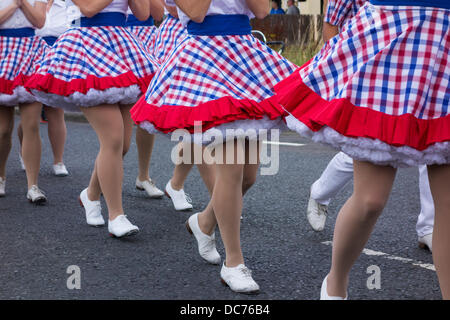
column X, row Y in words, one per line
column 17, row 33
column 50, row 40
column 221, row 25
column 103, row 19
column 132, row 21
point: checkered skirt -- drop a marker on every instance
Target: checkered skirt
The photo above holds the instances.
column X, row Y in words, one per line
column 170, row 33
column 89, row 66
column 147, row 35
column 380, row 91
column 214, row 80
column 18, row 61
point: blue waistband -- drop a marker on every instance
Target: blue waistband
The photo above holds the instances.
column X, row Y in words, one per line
column 50, row 40
column 221, row 25
column 17, row 33
column 132, row 21
column 421, row 3
column 103, row 19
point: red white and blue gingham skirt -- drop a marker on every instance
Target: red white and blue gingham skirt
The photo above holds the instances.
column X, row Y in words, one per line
column 170, row 33
column 215, row 81
column 380, row 91
column 90, row 66
column 19, row 57
column 147, row 35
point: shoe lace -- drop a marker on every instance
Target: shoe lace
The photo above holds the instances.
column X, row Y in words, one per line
column 246, row 272
column 188, row 198
column 323, row 208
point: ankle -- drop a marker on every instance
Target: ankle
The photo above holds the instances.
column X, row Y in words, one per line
column 176, row 186
column 337, row 286
column 92, row 196
column 143, row 177
column 233, row 260
column 205, row 226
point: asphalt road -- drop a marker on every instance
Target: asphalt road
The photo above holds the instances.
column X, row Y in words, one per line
column 288, row 259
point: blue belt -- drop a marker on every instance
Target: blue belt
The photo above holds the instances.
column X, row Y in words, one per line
column 221, row 25
column 421, row 3
column 50, row 40
column 132, row 21
column 17, row 33
column 103, row 19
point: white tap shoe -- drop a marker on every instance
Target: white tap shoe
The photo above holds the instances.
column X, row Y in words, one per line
column 36, row 196
column 426, row 242
column 149, row 187
column 324, row 292
column 93, row 210
column 60, row 170
column 122, row 227
column 239, row 279
column 180, row 200
column 206, row 244
column 316, row 214
column 2, row 187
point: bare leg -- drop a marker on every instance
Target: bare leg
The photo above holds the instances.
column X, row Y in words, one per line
column 145, row 143
column 30, row 115
column 6, row 128
column 181, row 171
column 356, row 220
column 57, row 132
column 20, row 136
column 108, row 123
column 439, row 177
column 227, row 206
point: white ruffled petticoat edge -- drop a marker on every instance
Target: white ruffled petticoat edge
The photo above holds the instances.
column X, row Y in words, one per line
column 254, row 129
column 20, row 95
column 73, row 102
column 374, row 150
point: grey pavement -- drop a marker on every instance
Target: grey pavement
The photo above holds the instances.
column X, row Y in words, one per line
column 288, row 259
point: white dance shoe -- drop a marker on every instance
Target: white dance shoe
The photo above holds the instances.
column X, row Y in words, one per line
column 426, row 242
column 2, row 187
column 60, row 170
column 122, row 227
column 93, row 210
column 149, row 187
column 239, row 279
column 206, row 244
column 316, row 214
column 22, row 164
column 36, row 196
column 324, row 292
column 180, row 200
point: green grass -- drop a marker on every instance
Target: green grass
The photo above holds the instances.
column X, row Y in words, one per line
column 302, row 54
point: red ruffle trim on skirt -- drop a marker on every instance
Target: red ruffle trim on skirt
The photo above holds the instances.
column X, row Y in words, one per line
column 49, row 84
column 8, row 86
column 211, row 114
column 353, row 121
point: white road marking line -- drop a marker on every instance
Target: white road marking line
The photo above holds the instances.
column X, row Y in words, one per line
column 370, row 252
column 290, row 144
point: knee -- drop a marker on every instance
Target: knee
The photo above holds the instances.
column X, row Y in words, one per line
column 6, row 133
column 113, row 144
column 372, row 206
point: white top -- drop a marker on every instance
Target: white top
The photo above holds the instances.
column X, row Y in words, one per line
column 18, row 19
column 115, row 6
column 221, row 7
column 57, row 21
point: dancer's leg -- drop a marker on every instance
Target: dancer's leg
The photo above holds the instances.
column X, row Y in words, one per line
column 440, row 188
column 30, row 115
column 6, row 128
column 57, row 132
column 108, row 123
column 145, row 142
column 356, row 220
